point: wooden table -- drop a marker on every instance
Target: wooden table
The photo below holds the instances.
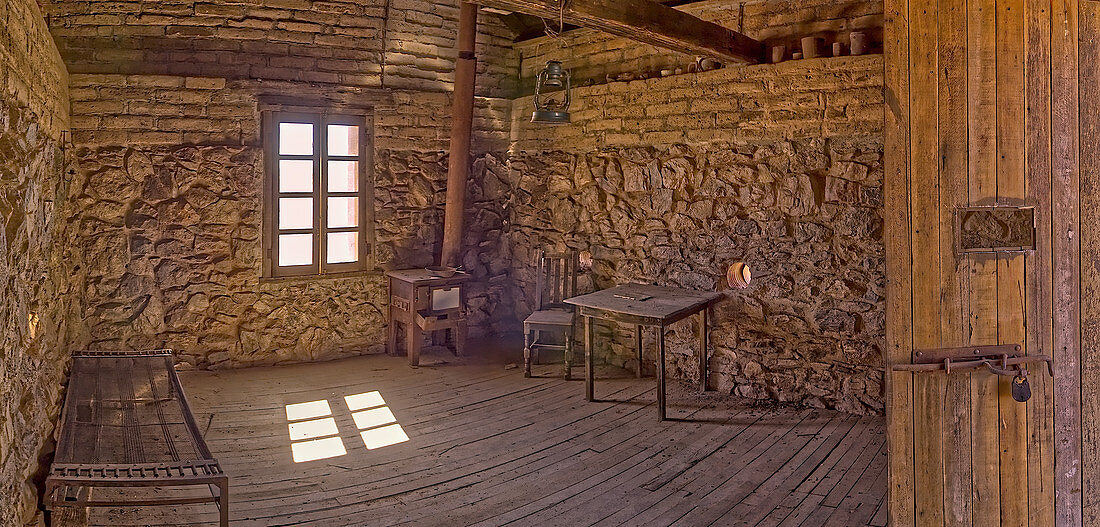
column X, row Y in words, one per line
column 646, row 305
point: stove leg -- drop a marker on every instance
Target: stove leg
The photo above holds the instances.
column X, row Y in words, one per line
column 414, row 339
column 460, row 339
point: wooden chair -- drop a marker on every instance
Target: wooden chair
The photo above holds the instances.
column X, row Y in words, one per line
column 557, row 281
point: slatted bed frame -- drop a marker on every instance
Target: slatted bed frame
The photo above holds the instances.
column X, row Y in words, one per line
column 126, row 423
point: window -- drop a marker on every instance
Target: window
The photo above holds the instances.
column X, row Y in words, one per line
column 318, row 194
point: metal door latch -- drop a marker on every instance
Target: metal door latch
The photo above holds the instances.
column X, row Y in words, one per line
column 1002, row 359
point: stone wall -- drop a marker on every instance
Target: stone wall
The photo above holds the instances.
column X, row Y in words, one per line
column 168, row 186
column 670, row 180
column 594, row 57
column 33, row 291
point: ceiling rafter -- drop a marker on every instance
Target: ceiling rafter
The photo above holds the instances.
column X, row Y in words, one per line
column 644, row 21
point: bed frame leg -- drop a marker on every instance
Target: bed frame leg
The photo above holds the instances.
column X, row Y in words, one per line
column 223, row 503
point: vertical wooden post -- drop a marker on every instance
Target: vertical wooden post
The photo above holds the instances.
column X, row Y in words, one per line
column 1040, row 277
column 899, row 264
column 462, row 115
column 1089, row 73
column 1066, row 248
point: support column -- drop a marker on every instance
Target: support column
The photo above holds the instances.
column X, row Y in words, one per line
column 462, row 114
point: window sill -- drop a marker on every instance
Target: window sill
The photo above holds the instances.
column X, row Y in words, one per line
column 321, row 277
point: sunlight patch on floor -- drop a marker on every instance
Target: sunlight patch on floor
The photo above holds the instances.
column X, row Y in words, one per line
column 376, row 423
column 384, row 436
column 313, row 429
column 313, row 432
column 360, row 401
column 310, row 410
column 317, row 449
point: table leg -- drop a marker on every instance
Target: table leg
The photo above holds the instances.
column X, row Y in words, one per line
column 661, row 373
column 638, row 343
column 704, row 338
column 589, row 371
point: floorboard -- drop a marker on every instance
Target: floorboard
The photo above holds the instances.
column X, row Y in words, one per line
column 488, row 447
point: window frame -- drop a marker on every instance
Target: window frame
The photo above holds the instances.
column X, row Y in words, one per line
column 320, row 118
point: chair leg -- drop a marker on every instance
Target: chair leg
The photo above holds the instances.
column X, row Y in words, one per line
column 569, row 355
column 526, row 352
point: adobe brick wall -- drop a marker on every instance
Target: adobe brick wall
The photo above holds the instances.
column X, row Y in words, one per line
column 593, row 56
column 35, row 309
column 832, row 97
column 403, row 44
column 169, row 109
column 670, row 180
column 33, row 75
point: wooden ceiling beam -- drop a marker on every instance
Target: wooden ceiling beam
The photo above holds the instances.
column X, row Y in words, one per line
column 644, row 21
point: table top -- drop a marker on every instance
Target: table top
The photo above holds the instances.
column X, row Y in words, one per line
column 415, row 276
column 649, row 301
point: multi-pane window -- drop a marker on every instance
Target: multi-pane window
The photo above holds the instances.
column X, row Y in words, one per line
column 318, row 193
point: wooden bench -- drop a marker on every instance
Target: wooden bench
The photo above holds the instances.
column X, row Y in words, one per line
column 126, row 423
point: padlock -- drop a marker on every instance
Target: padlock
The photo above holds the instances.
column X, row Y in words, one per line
column 1021, row 390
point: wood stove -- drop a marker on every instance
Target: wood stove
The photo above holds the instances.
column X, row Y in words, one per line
column 426, row 303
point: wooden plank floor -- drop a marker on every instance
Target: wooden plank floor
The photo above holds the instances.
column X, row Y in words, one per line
column 489, row 447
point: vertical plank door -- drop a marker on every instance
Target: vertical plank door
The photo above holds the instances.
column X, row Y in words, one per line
column 983, row 103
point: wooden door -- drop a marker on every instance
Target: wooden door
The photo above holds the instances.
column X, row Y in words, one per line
column 982, row 109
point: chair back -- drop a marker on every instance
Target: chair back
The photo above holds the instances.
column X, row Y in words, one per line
column 557, row 279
